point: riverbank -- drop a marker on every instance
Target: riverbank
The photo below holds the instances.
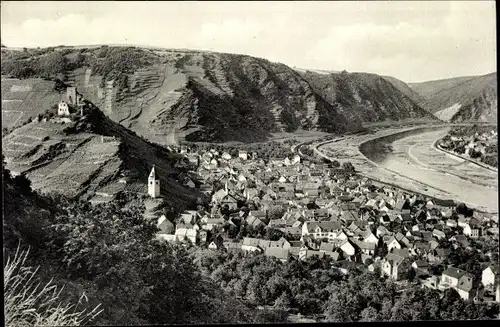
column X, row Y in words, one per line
column 476, row 162
column 435, row 176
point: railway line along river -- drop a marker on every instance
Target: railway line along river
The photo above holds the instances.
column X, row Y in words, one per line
column 408, row 158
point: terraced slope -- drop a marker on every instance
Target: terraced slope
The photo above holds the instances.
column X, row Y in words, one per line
column 24, row 99
column 91, row 157
column 207, row 96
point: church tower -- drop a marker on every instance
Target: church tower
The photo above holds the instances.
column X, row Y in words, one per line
column 153, row 184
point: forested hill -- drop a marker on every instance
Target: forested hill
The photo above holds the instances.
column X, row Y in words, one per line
column 108, row 252
column 208, row 96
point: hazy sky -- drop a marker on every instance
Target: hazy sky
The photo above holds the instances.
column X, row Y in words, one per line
column 413, row 41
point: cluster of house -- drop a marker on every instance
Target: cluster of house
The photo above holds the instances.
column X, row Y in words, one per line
column 474, row 143
column 327, row 211
column 467, row 286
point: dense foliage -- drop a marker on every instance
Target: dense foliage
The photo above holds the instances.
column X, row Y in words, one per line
column 313, row 288
column 51, row 63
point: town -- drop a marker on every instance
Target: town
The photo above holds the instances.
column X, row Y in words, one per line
column 284, row 207
column 476, row 144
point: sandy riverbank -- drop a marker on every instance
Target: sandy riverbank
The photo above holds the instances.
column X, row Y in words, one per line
column 414, row 164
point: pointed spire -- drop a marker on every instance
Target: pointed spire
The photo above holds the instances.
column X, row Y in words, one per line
column 152, row 174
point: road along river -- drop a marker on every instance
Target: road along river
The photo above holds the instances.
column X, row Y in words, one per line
column 409, row 159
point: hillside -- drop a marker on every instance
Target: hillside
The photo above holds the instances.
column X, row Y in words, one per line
column 366, row 97
column 89, row 253
column 405, row 89
column 207, row 96
column 461, row 99
column 91, row 157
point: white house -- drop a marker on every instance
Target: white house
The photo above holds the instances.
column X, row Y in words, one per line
column 321, row 229
column 250, row 244
column 242, row 155
column 63, row 109
column 458, row 279
column 471, row 230
column 188, row 232
column 392, row 243
column 488, row 276
column 395, row 266
column 369, row 237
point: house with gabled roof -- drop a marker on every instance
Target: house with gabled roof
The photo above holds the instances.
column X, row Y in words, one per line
column 402, row 239
column 421, row 267
column 232, row 246
column 211, row 223
column 165, row 226
column 438, row 234
column 395, row 267
column 365, row 247
column 305, row 253
column 321, row 229
column 369, row 237
column 185, row 232
column 460, row 280
column 254, row 221
column 472, row 229
column 381, row 231
column 391, row 242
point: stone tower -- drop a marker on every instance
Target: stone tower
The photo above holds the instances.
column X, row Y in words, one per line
column 153, row 184
column 71, row 95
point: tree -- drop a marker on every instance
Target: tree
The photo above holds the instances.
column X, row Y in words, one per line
column 282, row 302
column 369, row 314
column 53, row 64
column 348, row 166
column 273, row 234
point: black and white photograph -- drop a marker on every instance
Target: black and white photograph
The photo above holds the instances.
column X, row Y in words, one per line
column 249, row 162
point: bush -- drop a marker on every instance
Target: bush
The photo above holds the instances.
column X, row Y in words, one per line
column 29, row 303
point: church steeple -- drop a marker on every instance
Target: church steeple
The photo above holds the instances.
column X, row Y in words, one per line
column 153, row 184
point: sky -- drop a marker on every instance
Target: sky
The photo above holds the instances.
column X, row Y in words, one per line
column 414, row 41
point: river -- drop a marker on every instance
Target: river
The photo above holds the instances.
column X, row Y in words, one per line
column 409, row 159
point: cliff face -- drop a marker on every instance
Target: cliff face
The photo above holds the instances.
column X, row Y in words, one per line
column 461, row 99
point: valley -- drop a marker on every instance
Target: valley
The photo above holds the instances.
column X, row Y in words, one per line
column 413, row 162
